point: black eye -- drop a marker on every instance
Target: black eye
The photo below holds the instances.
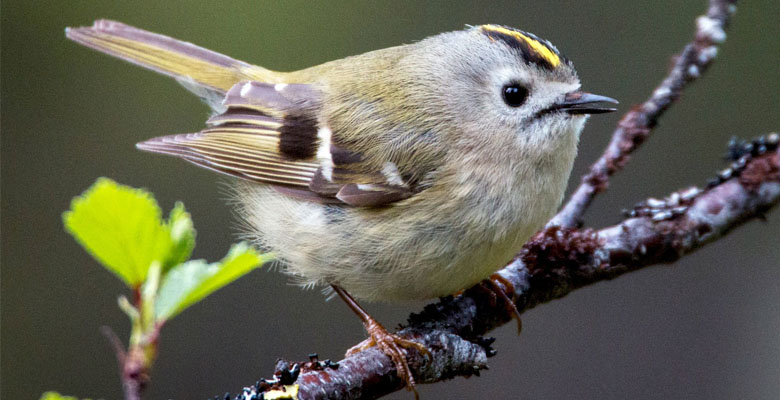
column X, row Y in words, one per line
column 514, row 94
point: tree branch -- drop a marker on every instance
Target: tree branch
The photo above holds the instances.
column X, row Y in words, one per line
column 551, row 265
column 637, row 124
column 561, row 259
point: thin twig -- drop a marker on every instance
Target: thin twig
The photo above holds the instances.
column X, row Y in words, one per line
column 635, row 127
column 133, row 382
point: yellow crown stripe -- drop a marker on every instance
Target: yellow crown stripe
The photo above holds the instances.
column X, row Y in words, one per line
column 539, row 48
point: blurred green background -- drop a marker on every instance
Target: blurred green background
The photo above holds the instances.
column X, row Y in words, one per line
column 707, row 327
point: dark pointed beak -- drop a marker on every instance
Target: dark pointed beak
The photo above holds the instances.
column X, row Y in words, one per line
column 577, row 103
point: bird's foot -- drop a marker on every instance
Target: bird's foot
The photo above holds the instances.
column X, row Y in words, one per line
column 498, row 286
column 394, row 347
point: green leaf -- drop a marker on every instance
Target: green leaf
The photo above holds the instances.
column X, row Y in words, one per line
column 188, row 283
column 182, row 237
column 121, row 227
column 57, row 396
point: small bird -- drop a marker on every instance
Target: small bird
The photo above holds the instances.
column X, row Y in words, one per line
column 405, row 173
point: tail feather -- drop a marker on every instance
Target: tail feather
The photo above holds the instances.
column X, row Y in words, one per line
column 181, row 60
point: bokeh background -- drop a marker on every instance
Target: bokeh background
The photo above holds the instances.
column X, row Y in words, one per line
column 706, row 327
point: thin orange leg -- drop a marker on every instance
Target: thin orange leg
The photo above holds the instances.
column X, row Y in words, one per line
column 389, row 343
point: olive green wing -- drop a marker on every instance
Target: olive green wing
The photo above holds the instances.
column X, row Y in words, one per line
column 271, row 133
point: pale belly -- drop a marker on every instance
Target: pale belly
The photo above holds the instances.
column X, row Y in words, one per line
column 431, row 245
column 467, row 264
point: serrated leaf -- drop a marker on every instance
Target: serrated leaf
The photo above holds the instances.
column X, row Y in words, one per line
column 182, row 236
column 188, row 283
column 121, row 227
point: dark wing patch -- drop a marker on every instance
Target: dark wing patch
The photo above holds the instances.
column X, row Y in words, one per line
column 270, row 134
column 298, row 136
column 294, row 104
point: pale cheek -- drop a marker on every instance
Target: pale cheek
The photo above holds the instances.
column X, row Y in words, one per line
column 576, row 124
column 564, row 126
column 549, row 134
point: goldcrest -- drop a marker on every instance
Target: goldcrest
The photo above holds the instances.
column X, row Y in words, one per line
column 405, row 173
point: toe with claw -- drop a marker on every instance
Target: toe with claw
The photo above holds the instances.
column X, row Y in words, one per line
column 503, row 288
column 392, row 345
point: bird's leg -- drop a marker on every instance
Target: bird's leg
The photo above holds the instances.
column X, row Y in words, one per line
column 501, row 287
column 389, row 343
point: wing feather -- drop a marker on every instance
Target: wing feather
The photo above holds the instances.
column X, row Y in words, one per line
column 270, row 134
column 233, row 156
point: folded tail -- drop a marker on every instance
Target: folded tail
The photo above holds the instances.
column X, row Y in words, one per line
column 184, row 61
